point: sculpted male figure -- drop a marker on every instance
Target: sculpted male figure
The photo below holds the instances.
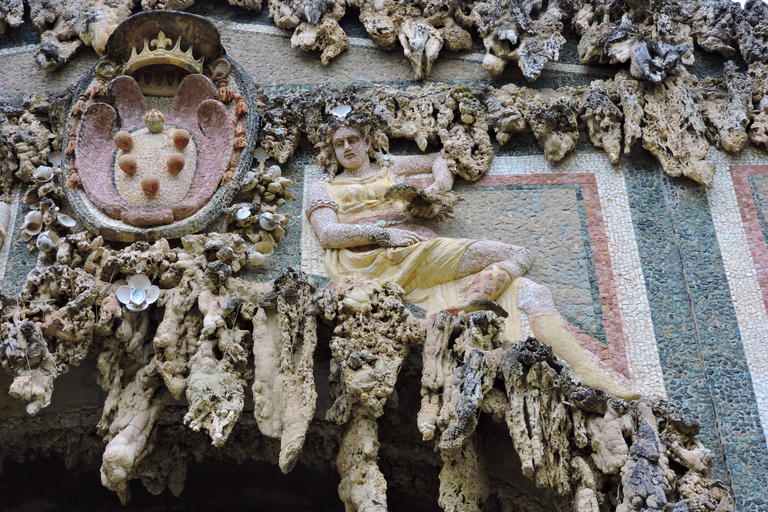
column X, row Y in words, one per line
column 364, row 232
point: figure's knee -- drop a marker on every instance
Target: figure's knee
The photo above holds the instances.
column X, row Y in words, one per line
column 518, row 260
column 534, row 297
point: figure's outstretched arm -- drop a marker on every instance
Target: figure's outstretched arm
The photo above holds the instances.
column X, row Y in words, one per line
column 404, row 166
column 334, row 235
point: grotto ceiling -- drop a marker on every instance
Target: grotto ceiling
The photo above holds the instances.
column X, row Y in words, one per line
column 155, row 190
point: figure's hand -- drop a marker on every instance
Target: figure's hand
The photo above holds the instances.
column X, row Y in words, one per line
column 424, row 210
column 402, row 238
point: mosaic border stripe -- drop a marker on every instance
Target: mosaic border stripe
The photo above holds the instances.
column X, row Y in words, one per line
column 743, row 247
column 643, row 359
column 614, row 351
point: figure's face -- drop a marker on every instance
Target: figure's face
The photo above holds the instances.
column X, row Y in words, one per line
column 350, row 148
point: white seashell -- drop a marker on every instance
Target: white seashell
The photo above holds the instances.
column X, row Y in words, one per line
column 65, row 220
column 341, row 111
column 124, row 294
column 273, row 172
column 55, row 158
column 267, row 222
column 43, row 174
column 256, row 258
column 46, row 241
column 139, row 281
column 153, row 293
column 260, row 155
column 357, row 298
column 243, row 213
column 33, row 223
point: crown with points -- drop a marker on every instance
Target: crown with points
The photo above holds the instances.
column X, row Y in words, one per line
column 161, row 55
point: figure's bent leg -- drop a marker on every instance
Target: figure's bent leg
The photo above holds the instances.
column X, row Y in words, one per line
column 514, row 259
column 551, row 328
column 497, row 264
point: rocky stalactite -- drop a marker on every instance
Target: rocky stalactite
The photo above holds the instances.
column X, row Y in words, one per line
column 50, row 329
column 372, row 336
column 316, row 25
column 615, row 113
column 67, row 26
column 284, row 342
column 674, row 129
column 573, row 440
column 655, row 42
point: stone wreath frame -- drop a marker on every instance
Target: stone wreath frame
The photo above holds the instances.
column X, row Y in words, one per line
column 86, row 212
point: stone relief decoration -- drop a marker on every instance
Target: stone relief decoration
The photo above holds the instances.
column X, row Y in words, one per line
column 131, row 167
column 359, row 213
column 157, row 144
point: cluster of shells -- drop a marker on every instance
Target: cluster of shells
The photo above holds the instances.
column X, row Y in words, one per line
column 43, row 223
column 258, row 221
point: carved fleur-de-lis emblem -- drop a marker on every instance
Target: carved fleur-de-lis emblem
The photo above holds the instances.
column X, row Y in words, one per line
column 161, row 41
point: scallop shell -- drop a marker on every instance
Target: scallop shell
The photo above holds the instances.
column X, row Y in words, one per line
column 65, row 220
column 341, row 111
column 243, row 213
column 43, row 174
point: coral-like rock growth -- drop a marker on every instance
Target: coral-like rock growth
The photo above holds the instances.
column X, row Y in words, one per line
column 677, row 119
column 655, row 41
column 581, row 444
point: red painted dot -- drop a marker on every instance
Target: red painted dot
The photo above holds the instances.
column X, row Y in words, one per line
column 128, row 164
column 123, row 140
column 150, row 184
column 181, row 138
column 175, row 163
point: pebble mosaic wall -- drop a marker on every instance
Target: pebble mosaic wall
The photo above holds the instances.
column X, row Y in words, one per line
column 667, row 281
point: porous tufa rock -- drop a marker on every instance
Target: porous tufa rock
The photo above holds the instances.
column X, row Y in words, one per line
column 285, row 338
column 30, row 142
column 369, row 364
column 655, row 46
column 674, row 130
column 603, row 119
column 66, row 26
column 728, row 109
column 316, row 23
column 173, row 5
column 11, row 15
column 421, row 44
column 373, row 334
column 52, row 330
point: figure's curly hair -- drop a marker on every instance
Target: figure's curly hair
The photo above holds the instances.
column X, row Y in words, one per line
column 368, row 125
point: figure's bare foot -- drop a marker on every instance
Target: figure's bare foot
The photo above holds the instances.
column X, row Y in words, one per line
column 482, row 304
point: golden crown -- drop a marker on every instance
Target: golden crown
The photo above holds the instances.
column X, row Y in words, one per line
column 161, row 55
